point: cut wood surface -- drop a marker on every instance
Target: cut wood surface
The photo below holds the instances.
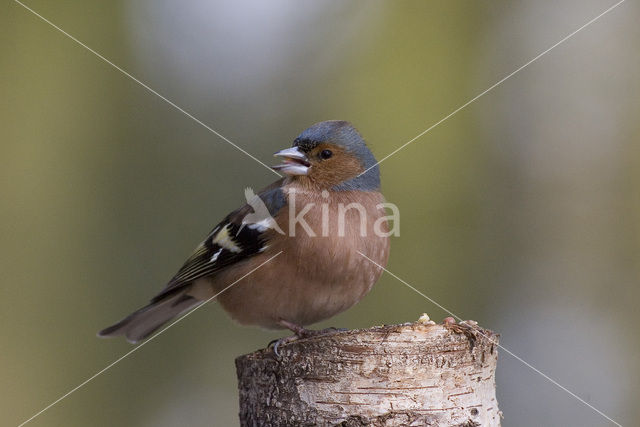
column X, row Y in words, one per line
column 415, row 374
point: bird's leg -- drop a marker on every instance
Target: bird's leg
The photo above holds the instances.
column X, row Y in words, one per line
column 300, row 331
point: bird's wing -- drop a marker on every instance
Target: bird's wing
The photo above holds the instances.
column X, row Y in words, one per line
column 231, row 241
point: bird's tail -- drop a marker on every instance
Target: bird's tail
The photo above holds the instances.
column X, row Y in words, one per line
column 141, row 323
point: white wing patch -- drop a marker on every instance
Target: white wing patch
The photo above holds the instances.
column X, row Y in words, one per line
column 216, row 255
column 262, row 225
column 225, row 241
column 260, row 219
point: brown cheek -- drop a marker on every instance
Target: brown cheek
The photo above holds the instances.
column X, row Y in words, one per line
column 339, row 169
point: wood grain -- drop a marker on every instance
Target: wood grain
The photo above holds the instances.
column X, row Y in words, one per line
column 403, row 375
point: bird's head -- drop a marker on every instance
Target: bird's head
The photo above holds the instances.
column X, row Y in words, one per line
column 331, row 155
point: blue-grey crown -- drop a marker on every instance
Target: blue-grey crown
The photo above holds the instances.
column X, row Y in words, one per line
column 342, row 133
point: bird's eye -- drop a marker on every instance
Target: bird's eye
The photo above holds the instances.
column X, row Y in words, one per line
column 325, row 154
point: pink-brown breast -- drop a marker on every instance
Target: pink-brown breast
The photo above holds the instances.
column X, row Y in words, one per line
column 315, row 277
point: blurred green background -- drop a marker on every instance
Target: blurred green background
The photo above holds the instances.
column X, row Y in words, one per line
column 521, row 211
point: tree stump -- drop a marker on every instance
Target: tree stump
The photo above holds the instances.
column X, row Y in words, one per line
column 415, row 374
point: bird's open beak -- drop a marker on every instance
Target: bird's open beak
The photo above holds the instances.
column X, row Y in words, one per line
column 295, row 162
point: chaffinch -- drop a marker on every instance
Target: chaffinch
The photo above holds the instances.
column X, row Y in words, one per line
column 316, row 218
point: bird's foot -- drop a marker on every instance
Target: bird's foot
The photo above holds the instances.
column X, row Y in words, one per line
column 300, row 332
column 280, row 342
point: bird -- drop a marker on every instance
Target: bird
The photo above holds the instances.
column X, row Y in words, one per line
column 295, row 248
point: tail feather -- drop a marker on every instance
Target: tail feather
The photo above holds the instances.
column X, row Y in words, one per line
column 142, row 323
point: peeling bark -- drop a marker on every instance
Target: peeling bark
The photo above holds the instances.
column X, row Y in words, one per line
column 403, row 375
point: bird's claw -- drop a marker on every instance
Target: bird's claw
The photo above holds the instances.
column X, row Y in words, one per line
column 281, row 341
column 301, row 333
